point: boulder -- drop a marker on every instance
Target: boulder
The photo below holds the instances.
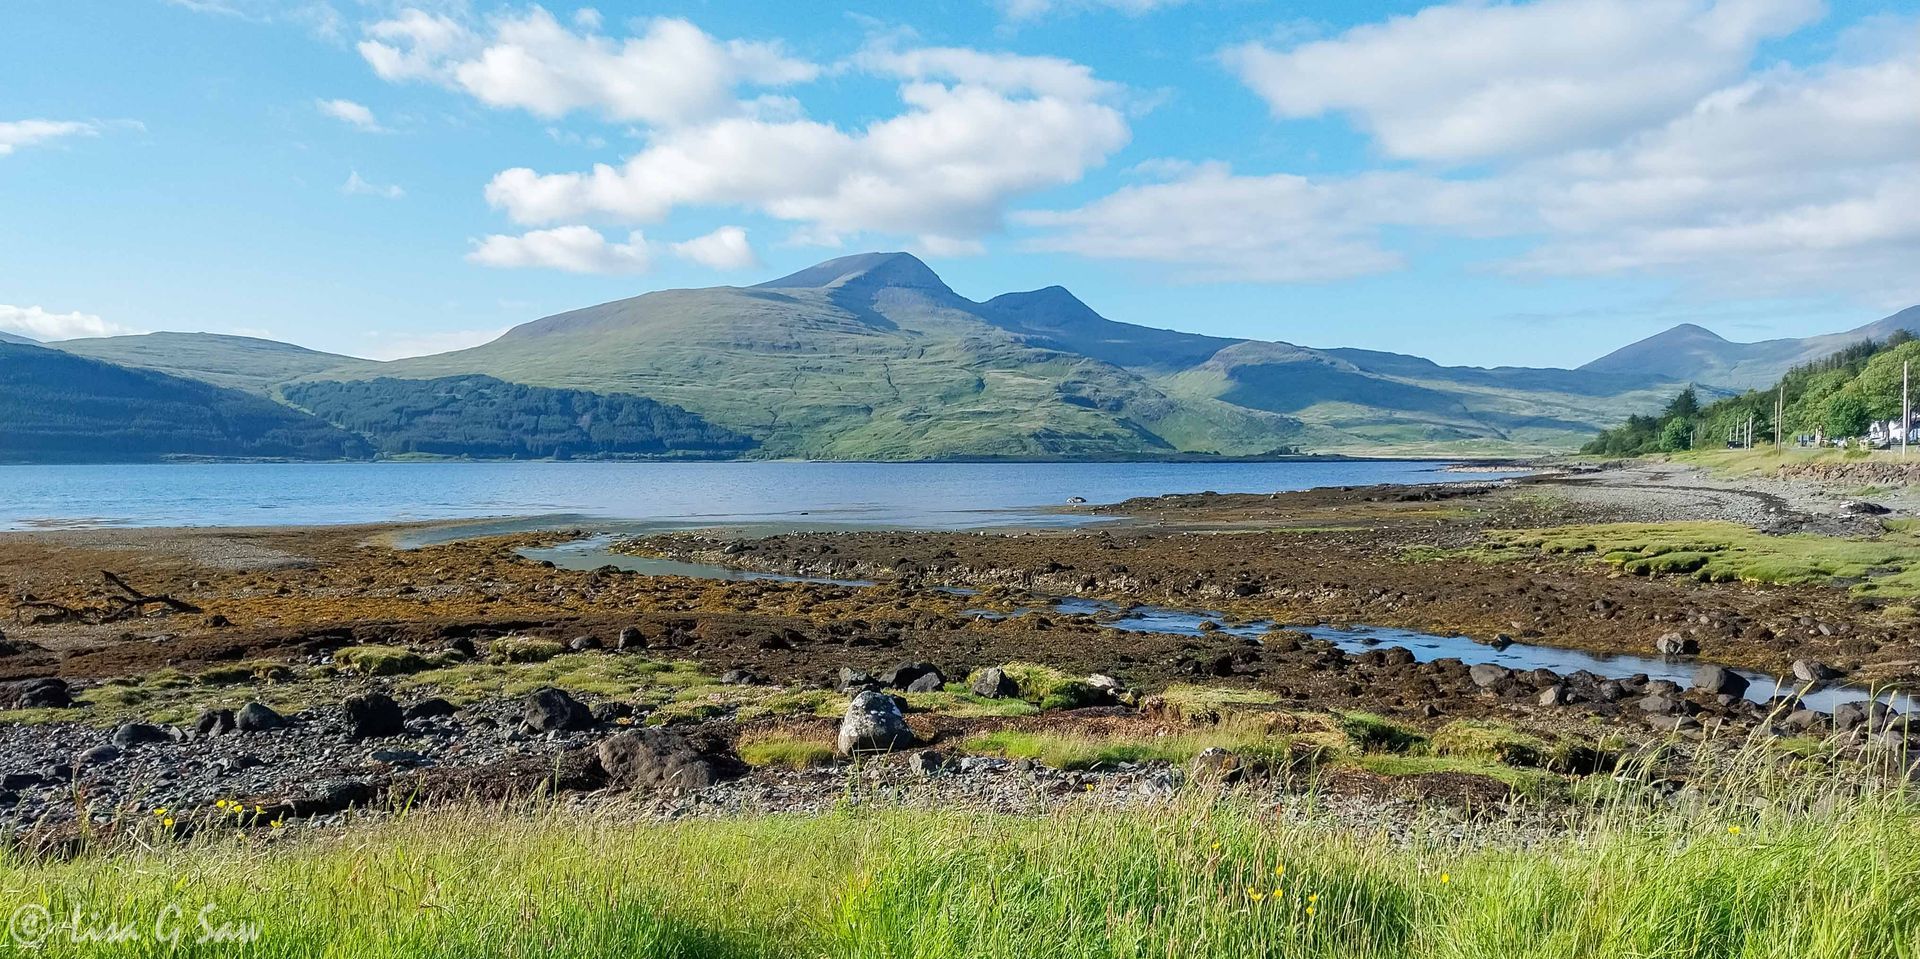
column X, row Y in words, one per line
column 97, row 756
column 1813, row 671
column 1488, row 674
column 45, row 693
column 994, row 683
column 1719, row 681
column 1846, row 716
column 611, row 711
column 659, row 759
column 330, row 796
column 257, row 718
column 853, row 680
column 372, row 715
column 1675, row 644
column 873, row 723
column 583, row 644
column 1106, row 685
column 928, row 683
column 213, row 722
column 903, row 675
column 1803, row 720
column 1659, row 705
column 631, row 638
column 433, row 708
column 1554, row 696
column 551, row 709
column 129, row 735
column 741, row 677
column 928, row 762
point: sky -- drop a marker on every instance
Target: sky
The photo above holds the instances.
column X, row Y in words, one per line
column 1482, row 183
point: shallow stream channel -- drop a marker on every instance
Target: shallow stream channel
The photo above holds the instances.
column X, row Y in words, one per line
column 595, row 552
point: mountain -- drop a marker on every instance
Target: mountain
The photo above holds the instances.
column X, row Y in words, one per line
column 241, row 362
column 1056, row 319
column 1690, row 353
column 6, row 337
column 479, row 416
column 869, row 356
column 59, row 407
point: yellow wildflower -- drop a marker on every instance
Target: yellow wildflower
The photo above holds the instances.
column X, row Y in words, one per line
column 167, row 822
column 1733, row 830
column 1444, row 878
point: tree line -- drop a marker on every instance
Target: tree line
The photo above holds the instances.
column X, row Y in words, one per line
column 1837, row 396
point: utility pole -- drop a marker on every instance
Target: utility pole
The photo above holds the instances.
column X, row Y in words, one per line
column 1749, row 429
column 1779, row 417
column 1906, row 406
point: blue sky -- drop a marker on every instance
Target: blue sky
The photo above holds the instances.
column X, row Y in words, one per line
column 1527, row 183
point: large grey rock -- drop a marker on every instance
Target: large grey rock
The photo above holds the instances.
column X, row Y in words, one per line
column 45, row 693
column 631, row 638
column 1659, row 705
column 904, row 675
column 1488, row 674
column 659, row 759
column 213, row 722
column 931, row 682
column 1719, row 681
column 550, row 709
column 994, row 683
column 1675, row 644
column 873, row 723
column 129, row 735
column 1813, row 671
column 373, row 715
column 257, row 718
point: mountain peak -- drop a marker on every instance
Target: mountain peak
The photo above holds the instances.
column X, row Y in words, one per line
column 864, row 271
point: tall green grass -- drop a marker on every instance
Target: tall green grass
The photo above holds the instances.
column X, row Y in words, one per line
column 1819, row 870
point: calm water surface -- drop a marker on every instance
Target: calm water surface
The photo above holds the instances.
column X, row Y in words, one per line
column 919, row 495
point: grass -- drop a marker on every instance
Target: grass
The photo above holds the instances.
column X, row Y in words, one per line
column 1073, row 750
column 520, row 649
column 1529, row 783
column 785, row 749
column 1799, row 879
column 382, row 660
column 1049, row 688
column 1887, row 565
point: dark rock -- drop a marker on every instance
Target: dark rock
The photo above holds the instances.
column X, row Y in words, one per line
column 1847, row 716
column 611, row 711
column 552, row 709
column 994, row 683
column 631, row 638
column 373, row 715
column 931, row 682
column 582, row 644
column 397, row 757
column 852, row 680
column 213, row 722
column 46, row 693
column 1675, row 644
column 464, row 646
column 129, row 735
column 1719, row 681
column 1863, row 508
column 873, row 723
column 14, row 782
column 257, row 718
column 1803, row 720
column 97, row 756
column 217, row 621
column 741, row 677
column 1500, row 641
column 331, row 796
column 903, row 675
column 660, row 759
column 1554, row 696
column 1659, row 705
column 928, row 762
column 431, row 709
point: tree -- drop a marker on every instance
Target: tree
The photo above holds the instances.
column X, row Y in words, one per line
column 1677, row 435
column 1685, row 406
column 1846, row 414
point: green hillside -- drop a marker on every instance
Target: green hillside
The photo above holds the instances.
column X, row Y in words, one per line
column 482, row 417
column 58, row 407
column 240, row 362
column 1692, row 354
column 864, row 357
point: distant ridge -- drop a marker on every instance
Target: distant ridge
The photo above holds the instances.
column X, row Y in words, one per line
column 1695, row 354
column 6, row 337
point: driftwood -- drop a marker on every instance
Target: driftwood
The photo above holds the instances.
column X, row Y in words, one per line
column 129, row 604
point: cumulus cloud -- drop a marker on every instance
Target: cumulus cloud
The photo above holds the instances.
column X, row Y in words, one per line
column 575, row 249
column 15, row 134
column 349, row 112
column 32, row 321
column 358, row 186
column 1469, row 81
column 724, row 249
column 1791, row 180
column 671, row 73
column 1034, row 9
column 978, row 130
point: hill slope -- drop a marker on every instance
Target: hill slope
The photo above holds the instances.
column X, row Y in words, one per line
column 6, row 337
column 869, row 356
column 58, row 407
column 480, row 416
column 241, row 362
column 1688, row 353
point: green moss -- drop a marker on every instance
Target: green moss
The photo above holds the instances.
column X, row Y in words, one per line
column 785, row 750
column 1884, row 565
column 517, row 649
column 381, row 660
column 1069, row 750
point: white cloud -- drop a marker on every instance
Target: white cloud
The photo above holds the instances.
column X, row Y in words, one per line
column 998, row 127
column 39, row 324
column 356, row 186
column 15, row 134
column 347, row 111
column 395, row 346
column 672, row 73
column 724, row 249
column 1792, row 180
column 1471, row 80
column 575, row 249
